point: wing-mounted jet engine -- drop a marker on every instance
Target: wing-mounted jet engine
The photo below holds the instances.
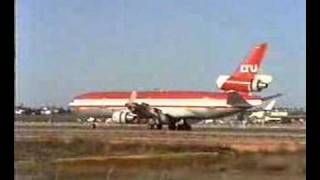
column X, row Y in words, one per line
column 140, row 112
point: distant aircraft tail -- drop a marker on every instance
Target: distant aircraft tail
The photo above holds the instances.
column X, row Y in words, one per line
column 270, row 105
column 246, row 77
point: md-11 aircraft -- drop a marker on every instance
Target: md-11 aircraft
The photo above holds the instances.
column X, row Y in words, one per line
column 178, row 109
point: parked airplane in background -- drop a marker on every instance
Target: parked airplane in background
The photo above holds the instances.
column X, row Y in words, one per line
column 267, row 114
column 178, row 109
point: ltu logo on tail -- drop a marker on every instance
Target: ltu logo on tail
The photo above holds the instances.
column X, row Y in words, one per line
column 249, row 68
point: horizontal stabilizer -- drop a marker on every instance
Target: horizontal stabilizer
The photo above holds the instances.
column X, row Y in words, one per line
column 271, row 97
column 235, row 100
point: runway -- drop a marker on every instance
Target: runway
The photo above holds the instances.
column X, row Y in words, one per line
column 203, row 136
column 196, row 127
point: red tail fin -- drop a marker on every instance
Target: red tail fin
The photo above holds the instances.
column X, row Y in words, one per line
column 246, row 77
column 251, row 65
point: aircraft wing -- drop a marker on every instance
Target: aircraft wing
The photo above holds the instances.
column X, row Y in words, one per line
column 142, row 110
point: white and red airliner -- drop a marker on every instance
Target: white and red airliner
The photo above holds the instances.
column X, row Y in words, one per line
column 178, row 109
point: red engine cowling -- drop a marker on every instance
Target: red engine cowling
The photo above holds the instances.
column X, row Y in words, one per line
column 255, row 84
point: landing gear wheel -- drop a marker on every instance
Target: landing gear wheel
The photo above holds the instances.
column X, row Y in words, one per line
column 180, row 127
column 151, row 123
column 151, row 126
column 172, row 125
column 185, row 126
column 159, row 126
column 241, row 118
column 93, row 126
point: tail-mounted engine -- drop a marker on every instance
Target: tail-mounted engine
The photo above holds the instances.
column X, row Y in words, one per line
column 255, row 84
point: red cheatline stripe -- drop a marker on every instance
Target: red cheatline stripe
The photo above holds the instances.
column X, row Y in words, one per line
column 114, row 106
column 156, row 95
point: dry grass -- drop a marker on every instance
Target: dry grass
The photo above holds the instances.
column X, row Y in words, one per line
column 98, row 158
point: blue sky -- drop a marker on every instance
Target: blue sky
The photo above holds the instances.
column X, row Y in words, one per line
column 65, row 48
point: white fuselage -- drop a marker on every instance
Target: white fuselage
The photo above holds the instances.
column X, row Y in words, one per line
column 195, row 108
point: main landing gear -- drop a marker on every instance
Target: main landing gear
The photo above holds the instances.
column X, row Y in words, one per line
column 181, row 125
column 173, row 124
column 243, row 120
column 155, row 124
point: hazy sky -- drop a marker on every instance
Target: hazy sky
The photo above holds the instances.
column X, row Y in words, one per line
column 68, row 47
